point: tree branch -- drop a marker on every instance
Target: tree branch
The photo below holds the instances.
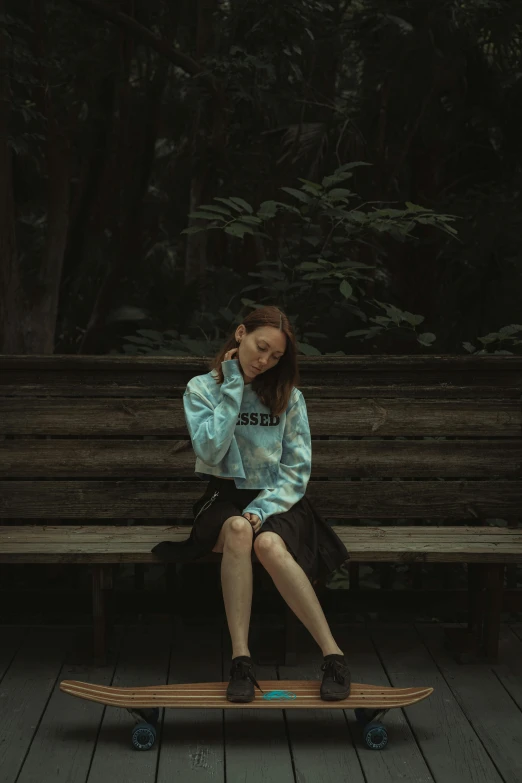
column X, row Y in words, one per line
column 144, row 35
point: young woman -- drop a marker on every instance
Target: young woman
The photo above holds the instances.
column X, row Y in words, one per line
column 249, row 429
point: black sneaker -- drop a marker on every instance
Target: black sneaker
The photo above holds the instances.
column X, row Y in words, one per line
column 242, row 680
column 336, row 678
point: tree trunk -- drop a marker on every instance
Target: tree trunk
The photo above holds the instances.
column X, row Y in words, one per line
column 127, row 241
column 196, row 244
column 84, row 227
column 40, row 316
column 29, row 308
column 11, row 295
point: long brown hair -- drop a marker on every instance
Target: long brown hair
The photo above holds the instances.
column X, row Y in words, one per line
column 274, row 386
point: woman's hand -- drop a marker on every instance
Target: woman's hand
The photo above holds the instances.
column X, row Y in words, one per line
column 254, row 521
column 230, row 354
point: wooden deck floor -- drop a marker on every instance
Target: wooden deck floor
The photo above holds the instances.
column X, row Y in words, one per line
column 469, row 731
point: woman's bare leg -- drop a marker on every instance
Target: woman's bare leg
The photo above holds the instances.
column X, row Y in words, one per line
column 235, row 541
column 295, row 587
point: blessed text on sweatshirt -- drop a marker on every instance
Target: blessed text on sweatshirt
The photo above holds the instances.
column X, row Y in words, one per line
column 235, row 436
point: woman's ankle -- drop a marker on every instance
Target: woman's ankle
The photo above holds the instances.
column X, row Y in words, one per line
column 241, row 651
column 332, row 650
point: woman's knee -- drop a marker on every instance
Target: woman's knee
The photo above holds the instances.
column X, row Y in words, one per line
column 237, row 532
column 269, row 545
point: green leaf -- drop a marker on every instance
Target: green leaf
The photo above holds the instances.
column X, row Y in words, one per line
column 251, row 219
column 412, row 318
column 298, row 194
column 358, row 217
column 507, row 331
column 334, row 179
column 235, row 230
column 339, row 193
column 229, row 203
column 193, row 230
column 205, row 215
column 238, row 229
column 414, row 207
column 215, row 208
column 289, row 208
column 311, row 187
column 426, row 338
column 393, row 312
column 138, row 340
column 314, row 241
column 314, row 276
column 389, row 213
column 308, row 350
column 342, row 173
column 309, row 265
column 151, row 334
column 242, row 203
column 357, row 332
column 346, row 289
column 268, row 209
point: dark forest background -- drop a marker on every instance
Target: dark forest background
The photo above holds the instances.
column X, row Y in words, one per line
column 166, row 165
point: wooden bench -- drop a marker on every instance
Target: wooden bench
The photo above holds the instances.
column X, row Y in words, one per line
column 103, row 440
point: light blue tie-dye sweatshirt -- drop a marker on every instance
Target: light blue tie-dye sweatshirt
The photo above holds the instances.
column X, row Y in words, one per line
column 234, row 435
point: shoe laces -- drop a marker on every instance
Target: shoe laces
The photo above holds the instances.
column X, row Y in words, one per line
column 335, row 669
column 242, row 670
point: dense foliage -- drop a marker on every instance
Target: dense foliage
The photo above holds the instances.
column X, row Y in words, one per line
column 363, row 156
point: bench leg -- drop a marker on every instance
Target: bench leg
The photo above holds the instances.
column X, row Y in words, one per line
column 139, row 576
column 479, row 641
column 172, row 581
column 101, row 582
column 290, row 651
column 492, row 610
column 466, row 643
column 475, row 599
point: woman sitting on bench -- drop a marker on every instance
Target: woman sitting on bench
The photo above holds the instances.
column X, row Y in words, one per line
column 249, row 429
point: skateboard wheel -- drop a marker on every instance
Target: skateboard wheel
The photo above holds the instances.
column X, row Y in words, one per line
column 143, row 736
column 375, row 736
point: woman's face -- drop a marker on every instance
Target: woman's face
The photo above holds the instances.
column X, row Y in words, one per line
column 260, row 350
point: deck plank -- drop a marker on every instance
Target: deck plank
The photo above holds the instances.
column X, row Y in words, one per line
column 12, row 638
column 402, row 759
column 193, row 742
column 450, row 746
column 468, row 731
column 257, row 746
column 143, row 660
column 66, row 737
column 25, row 690
column 483, row 698
column 509, row 666
column 517, row 629
column 321, row 742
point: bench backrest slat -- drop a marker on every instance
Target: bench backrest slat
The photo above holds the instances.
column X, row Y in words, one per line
column 88, row 438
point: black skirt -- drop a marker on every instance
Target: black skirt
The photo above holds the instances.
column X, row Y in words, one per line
column 309, row 539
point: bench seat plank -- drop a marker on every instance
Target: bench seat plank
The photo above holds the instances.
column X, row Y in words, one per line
column 132, row 544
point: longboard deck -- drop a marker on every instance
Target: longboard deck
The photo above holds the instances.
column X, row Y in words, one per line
column 205, row 695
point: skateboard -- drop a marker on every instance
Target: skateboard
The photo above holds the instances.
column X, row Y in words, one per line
column 370, row 702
